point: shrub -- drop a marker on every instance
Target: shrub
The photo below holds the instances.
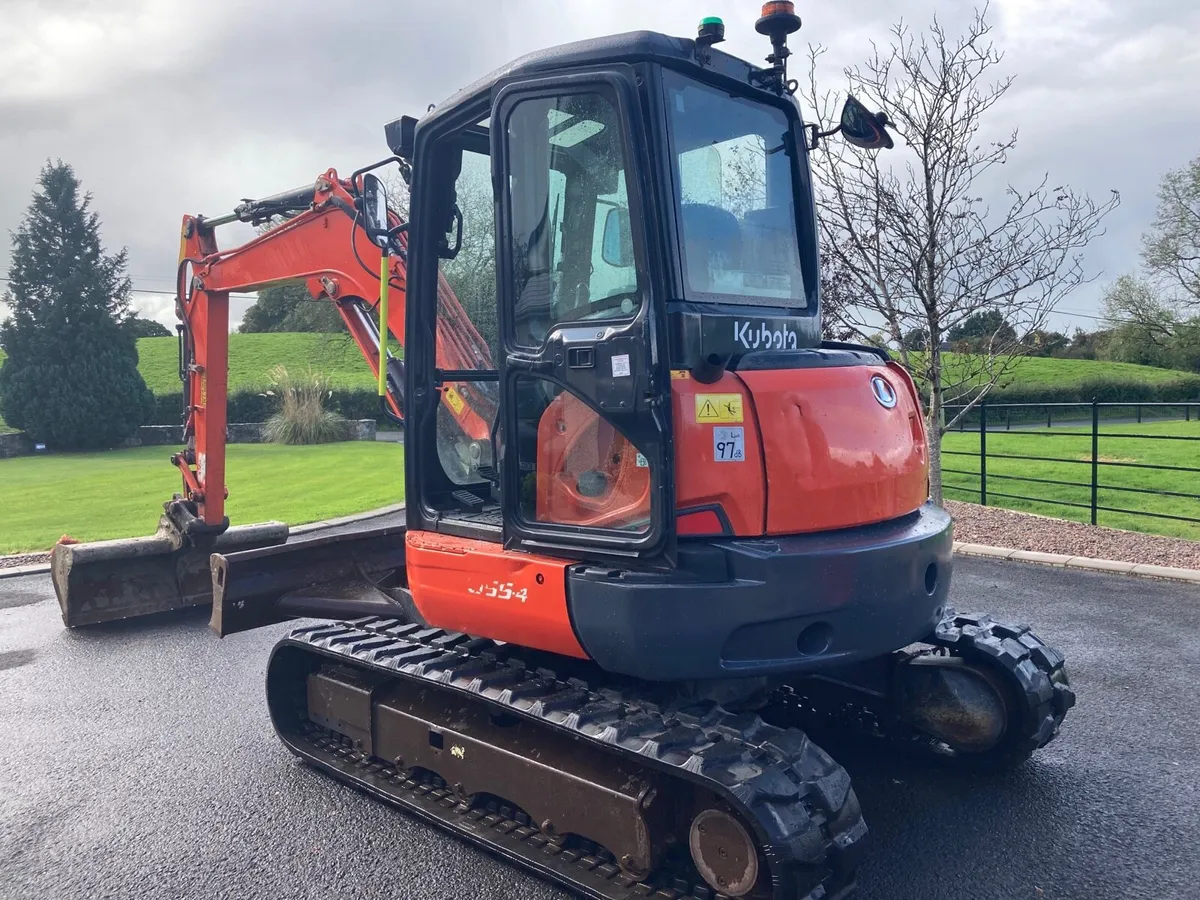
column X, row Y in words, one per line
column 302, row 417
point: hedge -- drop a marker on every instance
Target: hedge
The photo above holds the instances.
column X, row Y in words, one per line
column 363, row 403
column 252, row 406
column 1104, row 390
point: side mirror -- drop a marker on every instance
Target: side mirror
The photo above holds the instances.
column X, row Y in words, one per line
column 863, row 128
column 617, row 246
column 375, row 210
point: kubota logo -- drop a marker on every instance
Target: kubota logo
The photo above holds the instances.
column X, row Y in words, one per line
column 883, row 391
column 760, row 336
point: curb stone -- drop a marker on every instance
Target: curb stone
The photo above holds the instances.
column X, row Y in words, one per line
column 347, row 520
column 1059, row 560
column 17, row 571
column 44, row 568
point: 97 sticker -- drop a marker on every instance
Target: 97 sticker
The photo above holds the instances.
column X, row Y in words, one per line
column 729, row 444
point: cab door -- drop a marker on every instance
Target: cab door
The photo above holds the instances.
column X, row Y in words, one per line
column 586, row 460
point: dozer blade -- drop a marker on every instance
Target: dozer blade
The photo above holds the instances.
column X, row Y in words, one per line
column 356, row 573
column 104, row 581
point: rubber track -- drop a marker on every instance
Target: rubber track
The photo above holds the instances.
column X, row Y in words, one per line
column 797, row 799
column 1035, row 673
column 1036, row 670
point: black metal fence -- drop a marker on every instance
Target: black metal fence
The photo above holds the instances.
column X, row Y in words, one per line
column 1067, row 420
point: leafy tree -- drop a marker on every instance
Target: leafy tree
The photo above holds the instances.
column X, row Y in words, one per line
column 981, row 332
column 141, row 328
column 915, row 339
column 71, row 377
column 1143, row 325
column 290, row 307
column 1185, row 351
column 1040, row 342
column 1087, row 344
column 1171, row 249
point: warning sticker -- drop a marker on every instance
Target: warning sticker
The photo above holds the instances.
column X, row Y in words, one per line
column 620, row 366
column 718, row 408
column 455, row 400
column 680, row 374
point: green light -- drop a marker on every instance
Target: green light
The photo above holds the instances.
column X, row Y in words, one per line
column 711, row 20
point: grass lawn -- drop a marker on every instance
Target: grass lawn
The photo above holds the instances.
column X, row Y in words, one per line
column 1075, row 444
column 94, row 496
column 252, row 355
column 1038, row 371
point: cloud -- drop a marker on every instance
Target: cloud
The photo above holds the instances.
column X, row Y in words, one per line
column 163, row 113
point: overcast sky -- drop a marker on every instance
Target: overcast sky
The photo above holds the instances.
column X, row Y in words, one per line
column 162, row 112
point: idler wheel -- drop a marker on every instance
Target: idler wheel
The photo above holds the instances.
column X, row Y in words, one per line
column 724, row 853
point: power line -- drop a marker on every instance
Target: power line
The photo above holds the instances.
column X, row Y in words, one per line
column 135, row 290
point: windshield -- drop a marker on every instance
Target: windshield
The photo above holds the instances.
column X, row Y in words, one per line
column 733, row 166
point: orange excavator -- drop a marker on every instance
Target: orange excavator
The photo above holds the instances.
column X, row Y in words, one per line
column 658, row 533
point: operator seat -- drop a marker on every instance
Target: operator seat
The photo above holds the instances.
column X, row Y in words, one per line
column 712, row 240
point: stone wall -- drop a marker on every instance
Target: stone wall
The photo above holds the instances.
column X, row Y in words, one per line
column 172, row 435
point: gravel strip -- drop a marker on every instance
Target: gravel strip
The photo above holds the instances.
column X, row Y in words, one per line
column 25, row 559
column 974, row 524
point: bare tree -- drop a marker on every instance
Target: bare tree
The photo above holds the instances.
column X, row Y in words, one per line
column 921, row 250
column 838, row 321
column 1171, row 249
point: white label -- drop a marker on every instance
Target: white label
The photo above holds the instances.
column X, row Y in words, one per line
column 642, row 462
column 621, row 366
column 729, row 444
column 501, row 590
column 761, row 336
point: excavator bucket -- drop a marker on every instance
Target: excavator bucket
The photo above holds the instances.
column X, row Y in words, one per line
column 104, row 581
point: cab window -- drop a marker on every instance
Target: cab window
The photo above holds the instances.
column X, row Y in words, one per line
column 570, row 226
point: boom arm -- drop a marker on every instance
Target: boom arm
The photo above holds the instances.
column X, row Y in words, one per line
column 324, row 247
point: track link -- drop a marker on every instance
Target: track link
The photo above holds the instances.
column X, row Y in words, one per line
column 1033, row 674
column 796, row 799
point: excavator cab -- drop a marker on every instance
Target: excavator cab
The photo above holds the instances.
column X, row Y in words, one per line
column 654, row 222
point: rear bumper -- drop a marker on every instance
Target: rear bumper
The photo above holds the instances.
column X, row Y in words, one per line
column 743, row 608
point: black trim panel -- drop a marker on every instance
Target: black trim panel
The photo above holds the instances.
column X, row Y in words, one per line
column 726, row 526
column 740, row 608
column 806, row 359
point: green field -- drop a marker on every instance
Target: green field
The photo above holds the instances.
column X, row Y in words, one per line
column 1039, row 371
column 251, row 356
column 1075, row 444
column 94, row 496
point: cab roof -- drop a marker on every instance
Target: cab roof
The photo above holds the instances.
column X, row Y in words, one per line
column 630, row 47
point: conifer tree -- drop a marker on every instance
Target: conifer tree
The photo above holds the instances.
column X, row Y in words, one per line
column 71, row 378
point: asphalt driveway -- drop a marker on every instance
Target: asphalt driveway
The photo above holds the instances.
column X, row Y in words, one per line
column 137, row 761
